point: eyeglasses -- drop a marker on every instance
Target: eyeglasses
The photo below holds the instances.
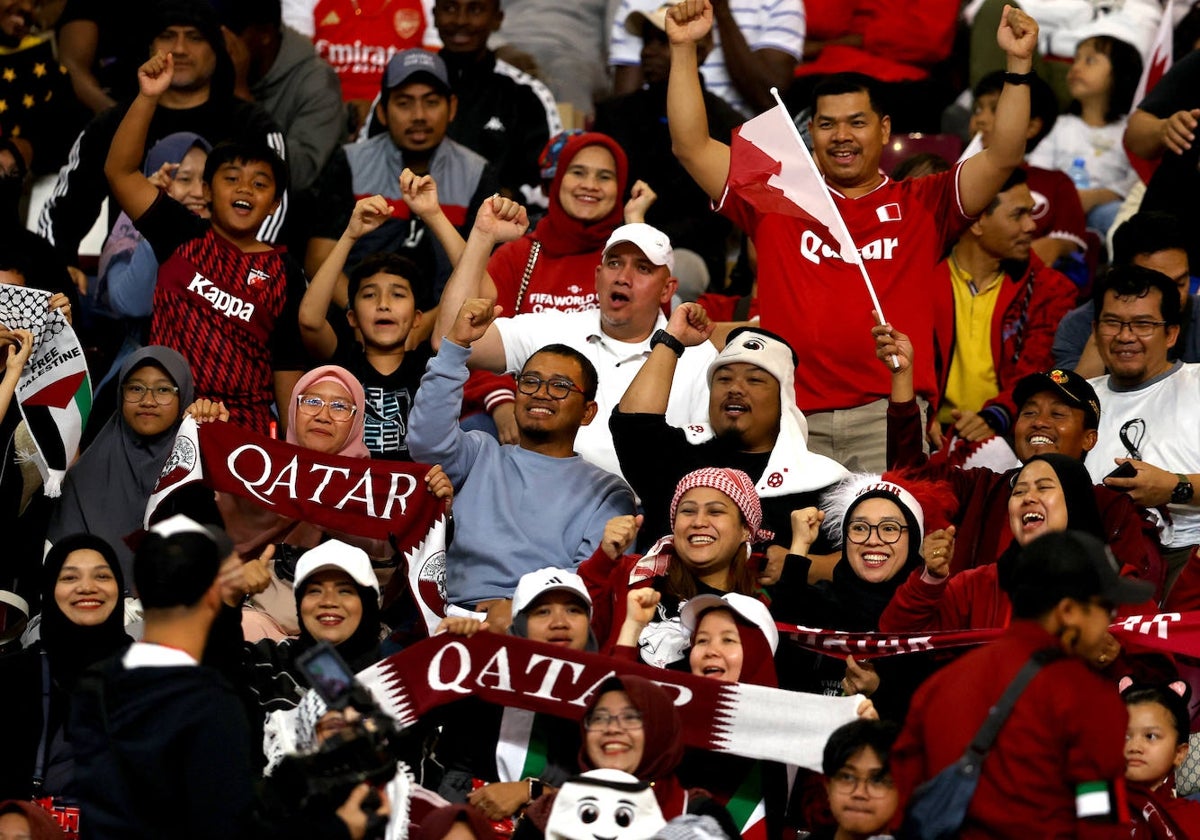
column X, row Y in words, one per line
column 599, row 721
column 135, row 392
column 843, row 781
column 1142, row 328
column 859, row 532
column 558, row 389
column 339, row 410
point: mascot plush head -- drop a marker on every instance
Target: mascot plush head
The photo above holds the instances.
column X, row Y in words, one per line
column 604, row 805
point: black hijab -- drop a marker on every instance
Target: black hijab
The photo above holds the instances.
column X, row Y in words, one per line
column 70, row 647
column 861, row 602
column 1079, row 493
column 105, row 492
column 361, row 649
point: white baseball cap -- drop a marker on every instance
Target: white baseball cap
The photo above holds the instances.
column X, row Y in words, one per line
column 655, row 244
column 751, row 609
column 534, row 585
column 335, row 554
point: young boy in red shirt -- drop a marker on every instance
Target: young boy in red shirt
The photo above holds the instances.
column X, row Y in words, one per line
column 225, row 300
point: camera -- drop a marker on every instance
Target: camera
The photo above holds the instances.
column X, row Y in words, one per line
column 366, row 750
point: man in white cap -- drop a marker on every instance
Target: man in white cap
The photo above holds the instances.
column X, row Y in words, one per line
column 633, row 282
column 753, row 425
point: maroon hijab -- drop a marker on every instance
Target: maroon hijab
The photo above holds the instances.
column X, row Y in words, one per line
column 561, row 235
column 664, row 739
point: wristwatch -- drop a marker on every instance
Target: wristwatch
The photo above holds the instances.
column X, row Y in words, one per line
column 536, row 788
column 1183, row 492
column 664, row 337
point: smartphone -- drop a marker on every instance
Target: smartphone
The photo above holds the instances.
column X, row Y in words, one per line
column 328, row 674
column 1126, row 470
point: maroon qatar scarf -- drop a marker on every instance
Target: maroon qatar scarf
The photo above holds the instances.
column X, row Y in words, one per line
column 376, row 499
column 1167, row 632
column 561, row 235
column 731, row 718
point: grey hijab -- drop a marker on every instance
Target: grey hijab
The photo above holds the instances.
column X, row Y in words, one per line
column 105, row 493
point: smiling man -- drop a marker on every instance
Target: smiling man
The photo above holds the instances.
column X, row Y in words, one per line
column 633, row 282
column 753, row 425
column 518, row 507
column 1150, row 404
column 417, row 107
column 901, row 230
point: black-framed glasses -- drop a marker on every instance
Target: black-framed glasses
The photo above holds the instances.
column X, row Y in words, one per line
column 876, row 785
column 339, row 410
column 599, row 721
column 558, row 389
column 889, row 532
column 135, row 392
column 1142, row 327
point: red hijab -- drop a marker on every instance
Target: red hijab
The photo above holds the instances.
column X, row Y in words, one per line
column 561, row 235
column 663, row 730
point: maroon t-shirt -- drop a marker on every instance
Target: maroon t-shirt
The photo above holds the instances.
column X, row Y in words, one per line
column 233, row 315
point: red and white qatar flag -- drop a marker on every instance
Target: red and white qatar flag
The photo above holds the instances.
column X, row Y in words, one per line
column 771, row 169
column 1157, row 63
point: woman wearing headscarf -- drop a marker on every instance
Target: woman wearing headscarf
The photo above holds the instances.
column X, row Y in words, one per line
column 716, row 516
column 632, row 725
column 325, row 414
column 880, row 521
column 82, row 623
column 1051, row 493
column 105, row 492
column 545, row 268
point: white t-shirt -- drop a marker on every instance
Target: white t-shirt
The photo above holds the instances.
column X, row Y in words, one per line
column 617, row 362
column 1169, row 405
column 774, row 24
column 1100, row 147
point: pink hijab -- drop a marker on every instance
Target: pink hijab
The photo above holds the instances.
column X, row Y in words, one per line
column 354, row 446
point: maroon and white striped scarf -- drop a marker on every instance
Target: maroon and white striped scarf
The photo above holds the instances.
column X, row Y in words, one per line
column 724, row 717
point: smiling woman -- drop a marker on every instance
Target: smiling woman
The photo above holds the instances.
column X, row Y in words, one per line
column 716, row 515
column 1051, row 493
column 82, row 622
column 106, row 491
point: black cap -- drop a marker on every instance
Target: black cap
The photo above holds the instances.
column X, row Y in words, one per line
column 1073, row 564
column 1073, row 388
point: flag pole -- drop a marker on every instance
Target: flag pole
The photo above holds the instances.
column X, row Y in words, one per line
column 837, row 216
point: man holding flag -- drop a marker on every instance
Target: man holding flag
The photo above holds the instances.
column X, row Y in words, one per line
column 819, row 276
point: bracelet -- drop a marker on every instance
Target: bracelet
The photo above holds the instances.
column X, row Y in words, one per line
column 1020, row 78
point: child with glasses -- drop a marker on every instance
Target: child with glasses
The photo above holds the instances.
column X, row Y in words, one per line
column 862, row 796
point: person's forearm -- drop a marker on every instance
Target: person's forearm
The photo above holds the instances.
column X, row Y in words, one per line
column 464, row 282
column 446, row 234
column 650, row 390
column 751, row 76
column 1094, row 197
column 687, row 118
column 1051, row 249
column 1144, row 135
column 314, row 306
column 1007, row 149
column 77, row 42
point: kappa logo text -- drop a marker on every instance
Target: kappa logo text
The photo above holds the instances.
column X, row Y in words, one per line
column 223, row 302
